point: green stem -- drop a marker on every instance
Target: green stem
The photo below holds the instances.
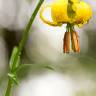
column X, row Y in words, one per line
column 22, row 42
column 70, row 27
column 27, row 29
column 9, row 86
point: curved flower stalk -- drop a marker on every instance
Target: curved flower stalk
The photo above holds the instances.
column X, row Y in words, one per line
column 15, row 59
column 70, row 12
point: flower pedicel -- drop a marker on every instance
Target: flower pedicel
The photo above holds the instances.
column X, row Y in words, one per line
column 70, row 12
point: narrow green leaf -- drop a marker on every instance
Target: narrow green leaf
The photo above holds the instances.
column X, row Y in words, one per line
column 14, row 52
column 24, row 69
column 17, row 64
column 14, row 64
column 47, row 66
column 13, row 78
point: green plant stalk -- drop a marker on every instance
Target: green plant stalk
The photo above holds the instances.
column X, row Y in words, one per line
column 23, row 42
column 70, row 27
column 9, row 86
column 27, row 29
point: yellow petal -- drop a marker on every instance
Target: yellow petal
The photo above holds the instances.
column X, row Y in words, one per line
column 59, row 11
column 83, row 12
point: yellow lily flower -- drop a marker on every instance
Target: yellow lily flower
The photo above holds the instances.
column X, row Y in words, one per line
column 70, row 12
column 59, row 12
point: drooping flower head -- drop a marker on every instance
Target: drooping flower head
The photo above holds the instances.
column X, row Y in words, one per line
column 59, row 12
column 70, row 12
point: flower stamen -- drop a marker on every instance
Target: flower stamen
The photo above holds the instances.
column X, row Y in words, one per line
column 66, row 42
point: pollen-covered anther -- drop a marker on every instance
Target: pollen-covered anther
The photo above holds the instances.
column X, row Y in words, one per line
column 75, row 42
column 66, row 42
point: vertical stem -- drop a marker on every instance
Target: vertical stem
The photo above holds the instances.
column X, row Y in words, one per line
column 22, row 42
column 70, row 27
column 27, row 29
column 9, row 86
